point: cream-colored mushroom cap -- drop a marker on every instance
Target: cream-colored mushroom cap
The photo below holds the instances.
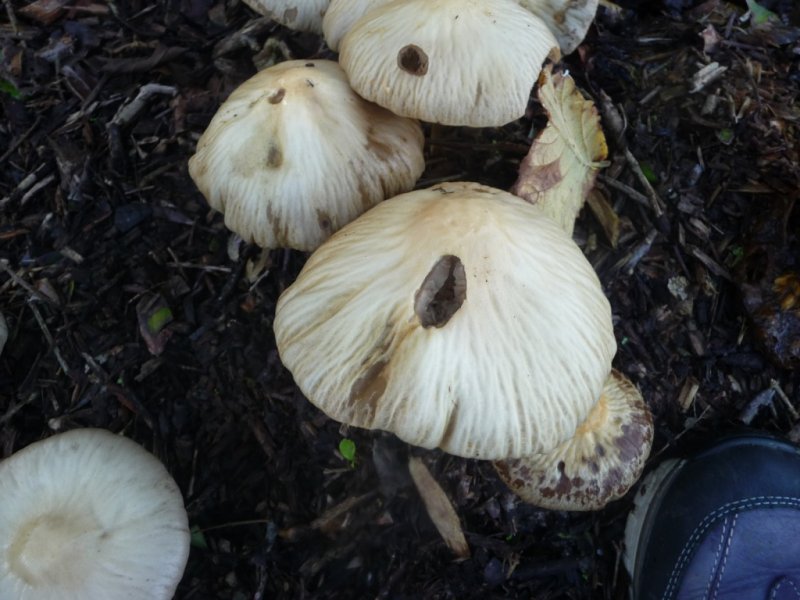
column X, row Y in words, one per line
column 569, row 20
column 458, row 316
column 294, row 154
column 599, row 464
column 342, row 15
column 87, row 515
column 301, row 15
column 455, row 62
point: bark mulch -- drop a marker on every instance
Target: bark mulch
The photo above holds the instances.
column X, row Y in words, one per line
column 130, row 307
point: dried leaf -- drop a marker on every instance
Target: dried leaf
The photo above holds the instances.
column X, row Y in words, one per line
column 439, row 508
column 44, row 11
column 561, row 166
column 606, row 215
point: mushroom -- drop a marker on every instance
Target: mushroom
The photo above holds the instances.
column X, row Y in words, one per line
column 453, row 62
column 342, row 15
column 569, row 20
column 294, row 154
column 89, row 514
column 457, row 316
column 598, row 464
column 301, row 15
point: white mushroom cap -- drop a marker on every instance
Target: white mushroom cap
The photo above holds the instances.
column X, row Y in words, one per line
column 86, row 515
column 458, row 316
column 294, row 154
column 599, row 464
column 569, row 20
column 455, row 62
column 342, row 15
column 301, row 15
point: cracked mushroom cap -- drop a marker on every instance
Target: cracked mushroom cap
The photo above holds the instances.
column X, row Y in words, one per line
column 89, row 514
column 294, row 154
column 457, row 316
column 569, row 20
column 599, row 464
column 300, row 15
column 342, row 15
column 454, row 62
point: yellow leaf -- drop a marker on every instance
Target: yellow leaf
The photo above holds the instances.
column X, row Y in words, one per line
column 439, row 508
column 563, row 161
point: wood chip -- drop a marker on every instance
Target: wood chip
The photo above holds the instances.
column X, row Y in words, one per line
column 439, row 508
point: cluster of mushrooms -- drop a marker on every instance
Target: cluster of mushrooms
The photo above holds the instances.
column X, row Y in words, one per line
column 460, row 316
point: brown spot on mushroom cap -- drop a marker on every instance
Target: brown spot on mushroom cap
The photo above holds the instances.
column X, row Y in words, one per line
column 276, row 96
column 413, row 60
column 598, row 465
column 274, row 156
column 442, row 292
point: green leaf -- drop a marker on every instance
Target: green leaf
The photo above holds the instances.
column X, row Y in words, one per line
column 347, row 448
column 197, row 539
column 725, row 136
column 9, row 88
column 648, row 173
column 760, row 14
column 158, row 319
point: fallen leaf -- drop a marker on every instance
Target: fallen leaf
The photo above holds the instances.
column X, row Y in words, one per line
column 154, row 315
column 606, row 215
column 439, row 508
column 563, row 161
column 44, row 11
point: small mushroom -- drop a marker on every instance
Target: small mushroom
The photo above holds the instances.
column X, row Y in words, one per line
column 300, row 15
column 294, row 154
column 569, row 20
column 598, row 464
column 454, row 62
column 89, row 514
column 457, row 316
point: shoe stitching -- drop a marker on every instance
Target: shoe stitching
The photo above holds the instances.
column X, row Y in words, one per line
column 774, row 593
column 725, row 556
column 702, row 527
column 716, row 558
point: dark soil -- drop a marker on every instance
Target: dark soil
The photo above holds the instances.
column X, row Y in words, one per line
column 130, row 307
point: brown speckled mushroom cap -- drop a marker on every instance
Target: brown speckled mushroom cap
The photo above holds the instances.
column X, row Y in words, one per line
column 457, row 317
column 294, row 154
column 599, row 464
column 454, row 62
column 89, row 515
column 300, row 15
column 569, row 20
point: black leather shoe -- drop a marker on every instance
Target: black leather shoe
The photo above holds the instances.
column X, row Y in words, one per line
column 722, row 525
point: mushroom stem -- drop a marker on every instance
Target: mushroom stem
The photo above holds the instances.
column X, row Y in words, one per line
column 598, row 464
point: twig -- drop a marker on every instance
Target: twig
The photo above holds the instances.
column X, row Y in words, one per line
column 12, row 18
column 625, row 189
column 131, row 110
column 773, row 383
column 49, row 337
column 185, row 265
column 655, row 202
column 25, row 285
